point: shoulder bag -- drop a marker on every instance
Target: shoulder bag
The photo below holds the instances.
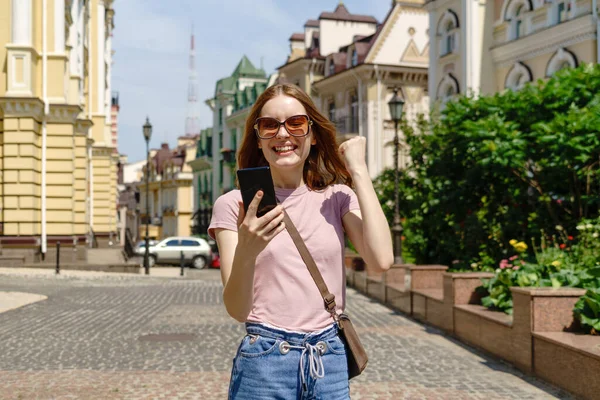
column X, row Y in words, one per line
column 355, row 352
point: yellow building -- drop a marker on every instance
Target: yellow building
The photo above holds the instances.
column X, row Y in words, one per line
column 489, row 46
column 58, row 163
column 170, row 187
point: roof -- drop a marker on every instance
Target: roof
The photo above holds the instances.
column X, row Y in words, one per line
column 246, row 69
column 313, row 23
column 297, row 36
column 341, row 13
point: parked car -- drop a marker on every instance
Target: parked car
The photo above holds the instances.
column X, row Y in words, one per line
column 140, row 247
column 196, row 251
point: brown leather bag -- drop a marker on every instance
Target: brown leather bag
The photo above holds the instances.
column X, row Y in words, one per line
column 355, row 352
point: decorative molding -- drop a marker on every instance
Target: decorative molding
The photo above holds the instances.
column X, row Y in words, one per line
column 22, row 107
column 385, row 32
column 558, row 59
column 82, row 126
column 449, row 81
column 63, row 113
column 514, row 78
column 448, row 16
column 509, row 8
column 545, row 41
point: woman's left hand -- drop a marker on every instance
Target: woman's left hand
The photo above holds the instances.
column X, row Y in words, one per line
column 353, row 153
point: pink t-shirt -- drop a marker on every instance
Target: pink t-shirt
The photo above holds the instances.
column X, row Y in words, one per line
column 285, row 294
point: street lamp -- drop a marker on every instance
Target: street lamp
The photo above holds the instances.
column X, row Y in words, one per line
column 396, row 104
column 147, row 128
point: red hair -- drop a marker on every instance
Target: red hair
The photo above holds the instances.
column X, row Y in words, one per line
column 323, row 167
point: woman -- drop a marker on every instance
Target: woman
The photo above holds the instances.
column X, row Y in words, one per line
column 292, row 348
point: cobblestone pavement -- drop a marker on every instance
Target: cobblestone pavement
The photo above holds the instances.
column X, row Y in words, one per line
column 169, row 338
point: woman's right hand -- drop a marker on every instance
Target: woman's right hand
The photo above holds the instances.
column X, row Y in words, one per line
column 255, row 233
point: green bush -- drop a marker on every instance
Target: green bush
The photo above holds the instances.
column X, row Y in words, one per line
column 489, row 169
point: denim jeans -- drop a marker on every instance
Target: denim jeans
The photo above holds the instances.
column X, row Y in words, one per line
column 277, row 364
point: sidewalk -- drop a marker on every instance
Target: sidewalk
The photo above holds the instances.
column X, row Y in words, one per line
column 13, row 300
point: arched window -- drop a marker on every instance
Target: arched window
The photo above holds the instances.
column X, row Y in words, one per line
column 447, row 31
column 562, row 59
column 515, row 13
column 519, row 27
column 447, row 88
column 518, row 76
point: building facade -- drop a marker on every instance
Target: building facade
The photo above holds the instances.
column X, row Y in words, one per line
column 234, row 95
column 57, row 155
column 355, row 80
column 170, row 190
column 489, row 46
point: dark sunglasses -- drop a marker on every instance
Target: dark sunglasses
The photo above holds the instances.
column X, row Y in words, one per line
column 296, row 125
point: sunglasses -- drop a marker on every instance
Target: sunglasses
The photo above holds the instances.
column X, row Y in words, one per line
column 296, row 125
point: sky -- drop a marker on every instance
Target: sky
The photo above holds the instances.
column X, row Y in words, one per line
column 151, row 43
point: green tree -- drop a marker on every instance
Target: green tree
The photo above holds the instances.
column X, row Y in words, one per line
column 505, row 166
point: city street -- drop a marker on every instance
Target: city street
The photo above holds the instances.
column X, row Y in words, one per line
column 138, row 337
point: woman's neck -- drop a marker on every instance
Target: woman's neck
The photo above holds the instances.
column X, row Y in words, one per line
column 288, row 180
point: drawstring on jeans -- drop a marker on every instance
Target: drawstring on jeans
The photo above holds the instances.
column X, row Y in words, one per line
column 315, row 362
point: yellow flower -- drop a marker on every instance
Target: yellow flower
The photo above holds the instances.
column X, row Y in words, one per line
column 556, row 263
column 512, row 242
column 520, row 247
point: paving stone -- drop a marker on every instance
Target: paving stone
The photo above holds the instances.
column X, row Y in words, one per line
column 137, row 337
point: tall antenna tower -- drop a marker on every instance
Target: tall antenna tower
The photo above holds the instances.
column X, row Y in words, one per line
column 192, row 120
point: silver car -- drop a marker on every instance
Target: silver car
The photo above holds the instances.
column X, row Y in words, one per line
column 196, row 251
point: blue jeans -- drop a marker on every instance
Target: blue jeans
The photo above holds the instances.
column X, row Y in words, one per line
column 277, row 364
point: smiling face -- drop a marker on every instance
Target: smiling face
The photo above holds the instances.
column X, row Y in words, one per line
column 285, row 153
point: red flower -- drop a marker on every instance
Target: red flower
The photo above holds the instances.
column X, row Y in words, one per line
column 570, row 237
column 562, row 246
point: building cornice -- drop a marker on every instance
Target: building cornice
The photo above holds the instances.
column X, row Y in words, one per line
column 22, row 107
column 298, row 62
column 545, row 41
column 83, row 125
column 370, row 68
column 64, row 113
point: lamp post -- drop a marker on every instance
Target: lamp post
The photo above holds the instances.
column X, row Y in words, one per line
column 396, row 104
column 147, row 128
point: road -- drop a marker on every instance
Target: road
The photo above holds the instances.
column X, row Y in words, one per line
column 139, row 337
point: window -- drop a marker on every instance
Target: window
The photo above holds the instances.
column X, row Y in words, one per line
column 449, row 38
column 354, row 58
column 354, row 113
column 331, row 67
column 234, row 140
column 190, row 243
column 221, row 172
column 519, row 27
column 562, row 11
column 331, row 111
column 447, row 31
column 172, row 243
column 515, row 15
column 220, row 121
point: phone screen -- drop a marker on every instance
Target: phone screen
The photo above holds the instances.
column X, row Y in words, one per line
column 251, row 181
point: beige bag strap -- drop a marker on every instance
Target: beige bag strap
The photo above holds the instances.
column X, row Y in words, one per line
column 328, row 297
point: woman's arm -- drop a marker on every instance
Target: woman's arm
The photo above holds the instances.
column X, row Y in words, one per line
column 368, row 228
column 238, row 252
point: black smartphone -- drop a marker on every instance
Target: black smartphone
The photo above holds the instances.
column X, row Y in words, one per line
column 252, row 180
